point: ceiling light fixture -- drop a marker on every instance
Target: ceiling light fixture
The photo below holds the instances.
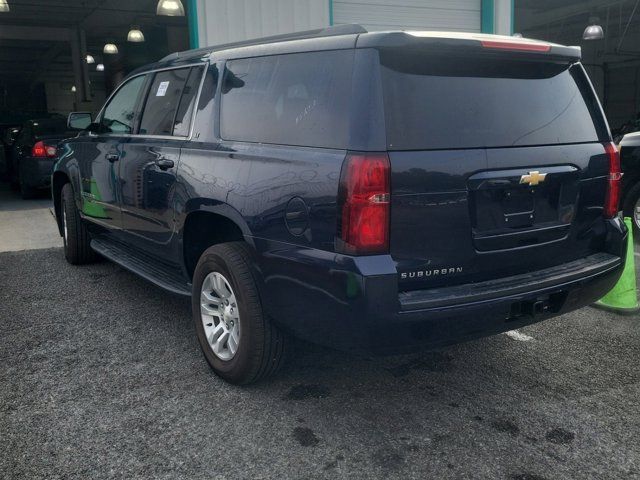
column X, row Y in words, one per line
column 90, row 59
column 73, row 89
column 135, row 35
column 110, row 49
column 593, row 30
column 170, row 8
column 4, row 6
column 100, row 67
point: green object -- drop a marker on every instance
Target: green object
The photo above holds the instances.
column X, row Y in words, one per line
column 513, row 16
column 330, row 12
column 89, row 207
column 487, row 12
column 192, row 20
column 624, row 297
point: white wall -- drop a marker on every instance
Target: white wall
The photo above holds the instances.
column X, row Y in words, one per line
column 223, row 21
column 459, row 15
column 502, row 17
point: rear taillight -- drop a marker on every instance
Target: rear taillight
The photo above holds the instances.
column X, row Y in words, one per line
column 614, row 181
column 521, row 46
column 43, row 151
column 363, row 202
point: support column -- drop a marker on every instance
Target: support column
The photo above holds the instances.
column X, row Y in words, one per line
column 80, row 70
column 192, row 18
column 496, row 16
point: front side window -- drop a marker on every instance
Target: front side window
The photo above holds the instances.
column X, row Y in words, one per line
column 162, row 102
column 294, row 99
column 119, row 114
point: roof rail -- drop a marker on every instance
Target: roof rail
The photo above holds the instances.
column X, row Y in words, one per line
column 346, row 29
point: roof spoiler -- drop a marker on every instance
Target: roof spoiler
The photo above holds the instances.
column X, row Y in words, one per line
column 473, row 41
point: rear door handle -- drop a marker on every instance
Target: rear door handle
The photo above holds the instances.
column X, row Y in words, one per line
column 164, row 163
column 112, row 157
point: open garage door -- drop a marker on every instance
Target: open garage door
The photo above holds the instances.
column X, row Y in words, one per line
column 610, row 53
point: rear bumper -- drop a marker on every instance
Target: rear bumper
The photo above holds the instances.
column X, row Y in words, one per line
column 36, row 172
column 353, row 302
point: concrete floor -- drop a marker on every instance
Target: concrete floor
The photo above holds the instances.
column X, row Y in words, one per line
column 101, row 377
column 26, row 224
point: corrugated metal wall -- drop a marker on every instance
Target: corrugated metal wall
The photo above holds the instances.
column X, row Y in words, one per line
column 223, row 21
column 461, row 15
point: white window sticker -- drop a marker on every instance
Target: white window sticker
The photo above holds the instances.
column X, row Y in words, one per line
column 162, row 89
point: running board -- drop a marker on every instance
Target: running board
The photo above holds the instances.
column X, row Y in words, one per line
column 161, row 275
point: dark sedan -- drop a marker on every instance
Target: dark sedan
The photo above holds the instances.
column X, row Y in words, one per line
column 34, row 152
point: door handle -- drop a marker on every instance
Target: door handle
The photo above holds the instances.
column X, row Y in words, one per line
column 164, row 163
column 112, row 157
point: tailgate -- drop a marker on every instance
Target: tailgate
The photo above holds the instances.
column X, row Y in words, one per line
column 497, row 164
column 470, row 215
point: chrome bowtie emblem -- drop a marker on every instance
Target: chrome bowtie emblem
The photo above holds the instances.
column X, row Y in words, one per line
column 533, row 178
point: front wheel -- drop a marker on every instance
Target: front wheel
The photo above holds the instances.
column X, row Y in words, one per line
column 77, row 249
column 239, row 341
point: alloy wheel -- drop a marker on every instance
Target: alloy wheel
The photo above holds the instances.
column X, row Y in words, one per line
column 220, row 316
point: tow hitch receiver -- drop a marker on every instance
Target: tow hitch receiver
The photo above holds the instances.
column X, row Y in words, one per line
column 551, row 303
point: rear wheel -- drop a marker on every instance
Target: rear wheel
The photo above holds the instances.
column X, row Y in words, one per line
column 238, row 340
column 77, row 249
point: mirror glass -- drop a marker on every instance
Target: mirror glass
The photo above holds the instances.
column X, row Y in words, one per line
column 79, row 120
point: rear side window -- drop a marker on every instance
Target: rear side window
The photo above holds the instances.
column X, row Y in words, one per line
column 119, row 113
column 438, row 102
column 295, row 99
column 162, row 102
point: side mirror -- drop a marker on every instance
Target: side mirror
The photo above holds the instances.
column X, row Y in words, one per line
column 78, row 120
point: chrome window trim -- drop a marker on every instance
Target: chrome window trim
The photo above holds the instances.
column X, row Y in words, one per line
column 197, row 99
column 147, row 72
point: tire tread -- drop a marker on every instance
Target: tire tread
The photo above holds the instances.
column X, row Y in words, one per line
column 270, row 356
column 78, row 249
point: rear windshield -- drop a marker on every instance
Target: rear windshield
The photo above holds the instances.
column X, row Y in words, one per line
column 446, row 103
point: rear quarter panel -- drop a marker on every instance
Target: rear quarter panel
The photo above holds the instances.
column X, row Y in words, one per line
column 252, row 184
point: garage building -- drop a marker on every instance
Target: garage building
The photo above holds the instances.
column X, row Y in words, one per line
column 45, row 44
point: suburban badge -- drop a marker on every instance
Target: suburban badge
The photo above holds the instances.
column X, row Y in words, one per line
column 435, row 272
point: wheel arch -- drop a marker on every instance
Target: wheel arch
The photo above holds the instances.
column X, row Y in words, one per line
column 207, row 226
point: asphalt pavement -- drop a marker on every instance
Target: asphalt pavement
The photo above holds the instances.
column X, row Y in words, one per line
column 101, row 377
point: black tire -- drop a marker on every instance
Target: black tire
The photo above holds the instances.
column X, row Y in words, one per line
column 262, row 346
column 631, row 200
column 77, row 249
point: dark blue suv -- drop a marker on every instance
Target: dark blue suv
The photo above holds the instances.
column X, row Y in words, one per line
column 373, row 191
